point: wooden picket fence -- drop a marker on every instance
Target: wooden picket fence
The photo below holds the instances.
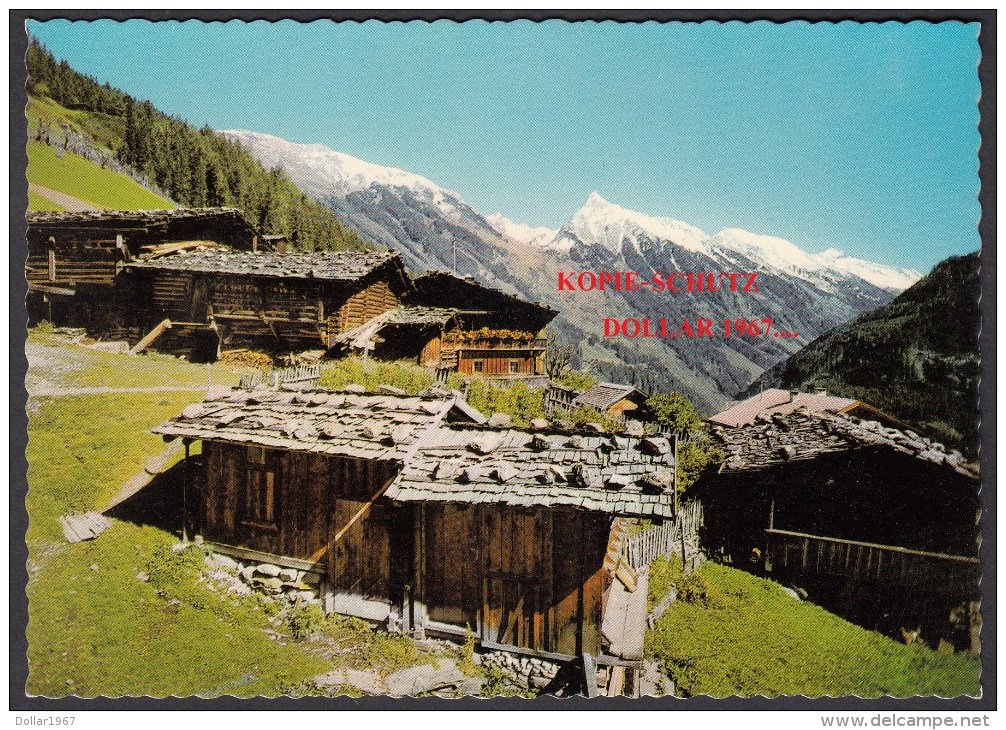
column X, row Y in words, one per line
column 275, row 378
column 679, row 536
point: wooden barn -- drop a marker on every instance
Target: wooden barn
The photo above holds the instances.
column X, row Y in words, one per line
column 75, row 259
column 613, row 400
column 263, row 300
column 409, row 506
column 859, row 511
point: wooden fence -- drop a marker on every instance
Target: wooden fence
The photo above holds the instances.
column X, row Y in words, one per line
column 865, row 561
column 679, row 536
column 275, row 378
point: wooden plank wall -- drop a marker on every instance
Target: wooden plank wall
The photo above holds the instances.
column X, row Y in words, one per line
column 316, row 497
column 429, row 357
column 291, row 300
column 497, row 362
column 522, row 578
column 74, row 265
column 622, row 409
column 170, row 292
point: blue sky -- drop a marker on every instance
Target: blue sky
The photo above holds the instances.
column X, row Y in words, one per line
column 859, row 137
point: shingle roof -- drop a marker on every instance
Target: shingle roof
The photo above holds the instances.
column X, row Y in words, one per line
column 612, row 474
column 326, row 265
column 135, row 216
column 775, row 400
column 367, row 426
column 605, row 395
column 800, row 435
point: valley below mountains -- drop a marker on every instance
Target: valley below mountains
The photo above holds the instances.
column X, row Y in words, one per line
column 434, row 229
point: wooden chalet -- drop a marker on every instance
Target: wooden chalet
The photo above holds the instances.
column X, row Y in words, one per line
column 840, row 503
column 264, row 300
column 494, row 334
column 75, row 259
column 408, row 506
column 612, row 399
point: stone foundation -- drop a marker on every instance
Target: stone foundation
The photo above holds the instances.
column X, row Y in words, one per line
column 272, row 580
column 525, row 671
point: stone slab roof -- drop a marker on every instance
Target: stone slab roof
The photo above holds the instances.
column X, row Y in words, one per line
column 320, row 265
column 615, row 475
column 363, row 337
column 776, row 400
column 801, row 435
column 135, row 217
column 382, row 426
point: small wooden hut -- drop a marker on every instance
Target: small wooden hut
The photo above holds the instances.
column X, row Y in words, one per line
column 859, row 512
column 408, row 506
column 612, row 399
column 495, row 334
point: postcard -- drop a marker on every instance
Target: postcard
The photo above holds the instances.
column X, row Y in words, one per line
column 503, row 359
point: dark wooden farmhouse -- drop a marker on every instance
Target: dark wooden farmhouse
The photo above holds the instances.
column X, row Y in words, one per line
column 74, row 259
column 613, row 400
column 843, row 504
column 270, row 301
column 408, row 506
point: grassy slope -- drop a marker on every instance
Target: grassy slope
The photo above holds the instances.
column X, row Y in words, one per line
column 74, row 175
column 71, row 174
column 750, row 638
column 104, row 632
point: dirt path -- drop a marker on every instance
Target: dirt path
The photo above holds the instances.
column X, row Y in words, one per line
column 56, row 392
column 67, row 202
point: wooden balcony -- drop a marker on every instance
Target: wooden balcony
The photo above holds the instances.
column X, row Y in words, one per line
column 491, row 342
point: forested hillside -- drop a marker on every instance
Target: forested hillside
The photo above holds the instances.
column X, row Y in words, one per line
column 916, row 358
column 194, row 167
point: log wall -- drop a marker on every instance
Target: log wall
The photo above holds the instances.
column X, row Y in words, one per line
column 72, row 265
column 497, row 362
column 360, row 307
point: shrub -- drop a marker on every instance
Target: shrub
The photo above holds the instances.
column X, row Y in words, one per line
column 406, row 375
column 306, row 621
column 581, row 416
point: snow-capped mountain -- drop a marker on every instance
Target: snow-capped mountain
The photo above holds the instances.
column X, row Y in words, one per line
column 540, row 236
column 434, row 228
column 600, row 223
column 321, row 171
